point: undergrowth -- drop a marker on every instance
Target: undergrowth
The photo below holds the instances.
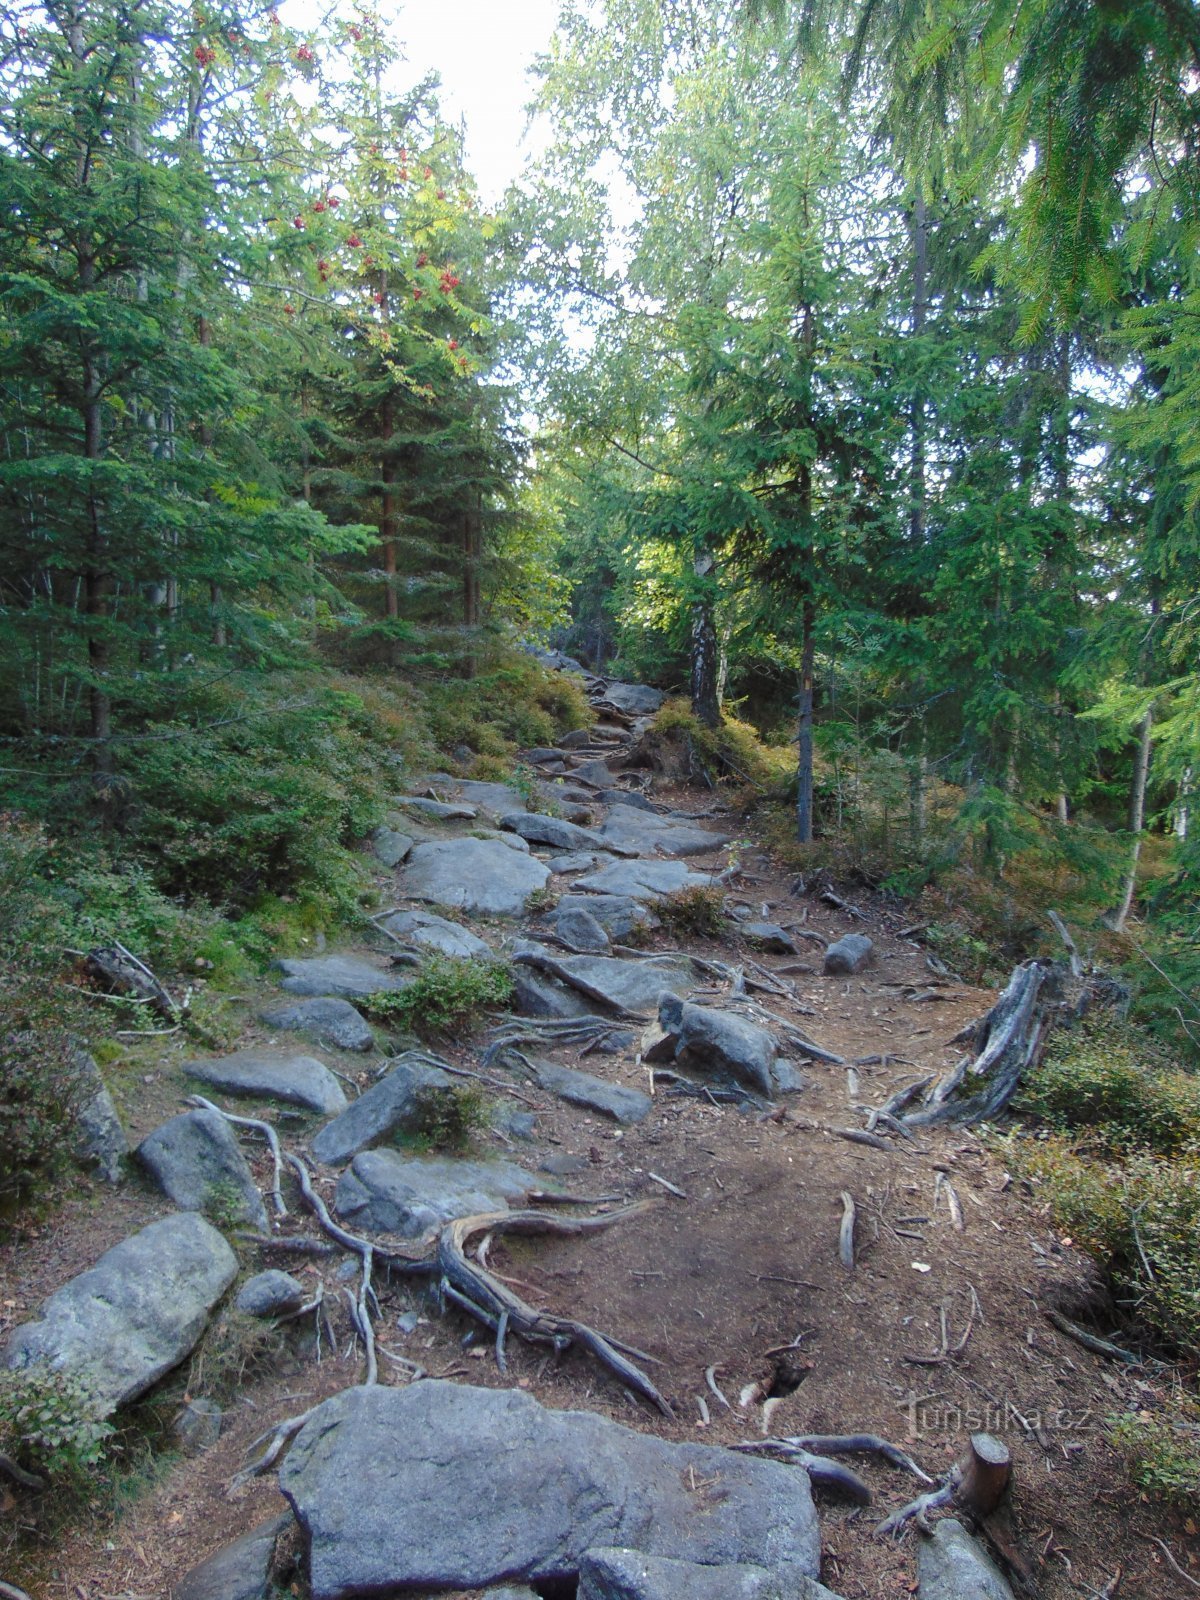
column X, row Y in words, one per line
column 41, row 1090
column 449, row 993
column 447, row 1120
column 699, row 912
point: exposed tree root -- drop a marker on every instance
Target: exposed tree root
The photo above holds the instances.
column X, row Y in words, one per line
column 267, row 1132
column 978, row 1482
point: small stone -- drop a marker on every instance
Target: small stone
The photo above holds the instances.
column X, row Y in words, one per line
column 537, row 828
column 432, row 932
column 558, row 1164
column 198, row 1163
column 617, row 914
column 578, row 928
column 198, row 1425
column 473, row 875
column 443, row 811
column 386, row 1192
column 771, row 937
column 391, row 1103
column 611, row 1574
column 296, row 1080
column 624, row 1105
column 712, row 1040
column 953, row 1566
column 347, row 976
column 270, row 1294
column 390, row 847
column 101, row 1139
column 849, row 955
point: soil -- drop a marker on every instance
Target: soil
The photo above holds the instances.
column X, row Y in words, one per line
column 738, row 1277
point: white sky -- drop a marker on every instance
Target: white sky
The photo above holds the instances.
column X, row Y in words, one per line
column 481, row 49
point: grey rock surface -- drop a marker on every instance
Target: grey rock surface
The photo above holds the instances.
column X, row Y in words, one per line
column 618, row 914
column 625, row 983
column 386, row 1192
column 270, row 1294
column 579, row 861
column 771, row 937
column 624, row 1105
column 297, row 1080
column 432, row 932
column 595, row 771
column 613, row 1574
column 441, row 810
column 334, row 1022
column 634, row 829
column 535, row 995
column 347, row 976
column 391, row 1103
column 848, row 955
column 238, row 1571
column 196, row 1159
column 642, row 880
column 198, row 1425
column 953, row 1566
column 635, row 699
column 577, row 927
column 480, row 875
column 712, row 1041
column 100, row 1138
column 543, row 1488
column 136, row 1314
column 390, row 847
column 537, row 828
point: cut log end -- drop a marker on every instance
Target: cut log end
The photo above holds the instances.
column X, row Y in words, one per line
column 984, row 1474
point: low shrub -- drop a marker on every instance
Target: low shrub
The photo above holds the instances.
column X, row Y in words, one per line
column 448, row 1119
column 1162, row 1451
column 51, row 1424
column 40, row 1090
column 448, row 993
column 699, row 912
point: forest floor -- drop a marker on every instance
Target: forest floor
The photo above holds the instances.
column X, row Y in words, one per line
column 738, row 1274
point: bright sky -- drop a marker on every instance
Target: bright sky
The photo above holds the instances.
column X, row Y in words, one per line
column 481, row 49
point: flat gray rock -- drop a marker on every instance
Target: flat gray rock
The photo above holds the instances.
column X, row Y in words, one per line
column 136, row 1314
column 595, row 771
column 100, row 1139
column 634, row 829
column 635, row 699
column 432, row 932
column 347, row 976
column 390, row 1104
column 627, row 984
column 624, row 1105
column 535, row 995
column 389, row 847
column 617, row 914
column 238, row 1571
column 537, row 828
column 577, row 927
column 473, row 875
column 486, row 1486
column 332, row 1021
column 577, row 739
column 386, row 1192
column 497, row 799
column 771, row 937
column 297, row 1080
column 611, row 1574
column 953, row 1566
column 579, row 861
column 848, row 955
column 642, row 880
column 720, row 1042
column 270, row 1294
column 198, row 1162
column 442, row 810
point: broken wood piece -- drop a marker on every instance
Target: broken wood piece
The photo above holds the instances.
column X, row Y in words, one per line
column 667, row 1184
column 126, row 975
column 860, row 1136
column 1091, row 1341
column 846, row 1231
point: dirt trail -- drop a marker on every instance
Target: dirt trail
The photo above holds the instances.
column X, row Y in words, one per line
column 738, row 1277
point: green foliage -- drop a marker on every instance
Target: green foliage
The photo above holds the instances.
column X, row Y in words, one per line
column 448, row 1120
column 516, row 703
column 51, row 1424
column 733, row 750
column 1162, row 1451
column 1109, row 1078
column 699, row 912
column 40, row 1090
column 446, row 996
column 224, row 1206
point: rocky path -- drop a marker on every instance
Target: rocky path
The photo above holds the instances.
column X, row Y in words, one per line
column 784, row 1261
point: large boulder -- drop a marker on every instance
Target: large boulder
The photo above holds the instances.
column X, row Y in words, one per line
column 848, row 955
column 609, row 984
column 136, row 1314
column 334, row 1022
column 642, row 880
column 392, row 1103
column 239, row 1571
column 444, row 1486
column 617, row 914
column 348, row 976
column 719, row 1042
column 473, row 875
column 634, row 699
column 630, row 828
column 386, row 1192
column 537, row 828
column 614, row 1574
column 389, row 846
column 432, row 932
column 580, row 930
column 951, row 1565
column 297, row 1080
column 199, row 1164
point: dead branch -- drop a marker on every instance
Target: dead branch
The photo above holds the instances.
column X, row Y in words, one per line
column 897, row 1102
column 851, row 1444
column 27, row 1480
column 846, row 1231
column 1060, row 928
column 1008, row 1040
column 1174, row 1565
column 9, row 1591
column 124, row 974
column 710, row 1378
column 1091, row 1341
column 267, row 1132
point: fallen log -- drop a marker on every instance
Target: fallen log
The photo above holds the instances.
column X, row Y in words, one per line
column 1008, row 1042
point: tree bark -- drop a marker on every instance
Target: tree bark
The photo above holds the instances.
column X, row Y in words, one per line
column 804, row 762
column 705, row 650
column 1137, row 820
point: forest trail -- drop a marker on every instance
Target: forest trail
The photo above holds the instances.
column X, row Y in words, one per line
column 730, row 1280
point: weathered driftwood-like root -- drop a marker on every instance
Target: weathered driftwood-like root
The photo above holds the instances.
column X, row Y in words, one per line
column 483, row 1295
column 846, row 1231
column 259, row 1127
column 9, row 1591
column 824, row 1472
column 977, row 1482
column 17, row 1474
column 849, row 1444
column 1091, row 1341
column 1008, row 1042
column 121, row 970
column 279, row 1438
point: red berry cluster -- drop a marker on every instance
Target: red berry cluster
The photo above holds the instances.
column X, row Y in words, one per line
column 304, row 53
column 204, row 55
column 448, row 280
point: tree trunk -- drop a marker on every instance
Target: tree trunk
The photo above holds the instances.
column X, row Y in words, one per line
column 804, row 763
column 1137, row 819
column 1182, row 804
column 705, row 650
column 920, row 247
